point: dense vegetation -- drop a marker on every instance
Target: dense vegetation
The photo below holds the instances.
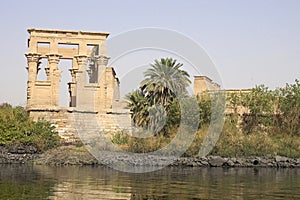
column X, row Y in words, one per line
column 17, row 128
column 258, row 122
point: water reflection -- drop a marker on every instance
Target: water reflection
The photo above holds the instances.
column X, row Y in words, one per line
column 43, row 182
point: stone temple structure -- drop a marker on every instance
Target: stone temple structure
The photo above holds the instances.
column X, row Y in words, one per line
column 94, row 98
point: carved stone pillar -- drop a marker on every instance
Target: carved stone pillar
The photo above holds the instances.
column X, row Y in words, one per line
column 80, row 74
column 102, row 61
column 33, row 64
column 53, row 75
column 72, row 87
column 80, row 81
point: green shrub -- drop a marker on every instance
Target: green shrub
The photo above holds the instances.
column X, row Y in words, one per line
column 289, row 108
column 17, row 128
column 120, row 137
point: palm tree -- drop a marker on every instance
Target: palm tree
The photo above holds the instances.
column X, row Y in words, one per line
column 165, row 81
column 138, row 105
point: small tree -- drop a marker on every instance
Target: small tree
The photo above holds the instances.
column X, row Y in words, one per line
column 260, row 103
column 289, row 107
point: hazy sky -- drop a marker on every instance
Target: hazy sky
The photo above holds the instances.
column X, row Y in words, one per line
column 250, row 42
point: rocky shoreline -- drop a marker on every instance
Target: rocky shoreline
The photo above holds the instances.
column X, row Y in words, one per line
column 18, row 154
column 70, row 155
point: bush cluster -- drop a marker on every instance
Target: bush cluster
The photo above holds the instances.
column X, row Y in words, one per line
column 17, row 128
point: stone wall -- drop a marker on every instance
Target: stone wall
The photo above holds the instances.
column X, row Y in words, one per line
column 70, row 123
column 203, row 84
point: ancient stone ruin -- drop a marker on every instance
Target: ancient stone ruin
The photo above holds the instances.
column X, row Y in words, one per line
column 94, row 103
column 94, row 95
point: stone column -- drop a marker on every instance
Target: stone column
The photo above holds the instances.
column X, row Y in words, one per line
column 102, row 61
column 80, row 81
column 80, row 73
column 33, row 64
column 72, row 87
column 53, row 75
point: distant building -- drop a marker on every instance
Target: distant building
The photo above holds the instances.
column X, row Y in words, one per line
column 203, row 84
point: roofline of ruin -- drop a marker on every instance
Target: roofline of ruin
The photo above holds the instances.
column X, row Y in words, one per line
column 55, row 31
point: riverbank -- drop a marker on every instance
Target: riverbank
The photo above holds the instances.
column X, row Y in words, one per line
column 71, row 155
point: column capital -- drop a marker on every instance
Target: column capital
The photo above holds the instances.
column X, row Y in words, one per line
column 102, row 60
column 53, row 58
column 81, row 59
column 33, row 57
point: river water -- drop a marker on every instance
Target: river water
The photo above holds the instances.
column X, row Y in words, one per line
column 44, row 182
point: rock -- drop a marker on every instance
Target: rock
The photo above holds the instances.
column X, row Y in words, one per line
column 270, row 164
column 22, row 149
column 32, row 149
column 203, row 158
column 264, row 161
column 282, row 164
column 216, row 161
column 204, row 163
column 240, row 161
column 230, row 163
column 281, row 159
column 192, row 164
column 72, row 161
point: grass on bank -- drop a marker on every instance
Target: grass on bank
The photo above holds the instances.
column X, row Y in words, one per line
column 231, row 143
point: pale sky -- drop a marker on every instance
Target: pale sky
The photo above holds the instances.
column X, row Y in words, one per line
column 250, row 42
